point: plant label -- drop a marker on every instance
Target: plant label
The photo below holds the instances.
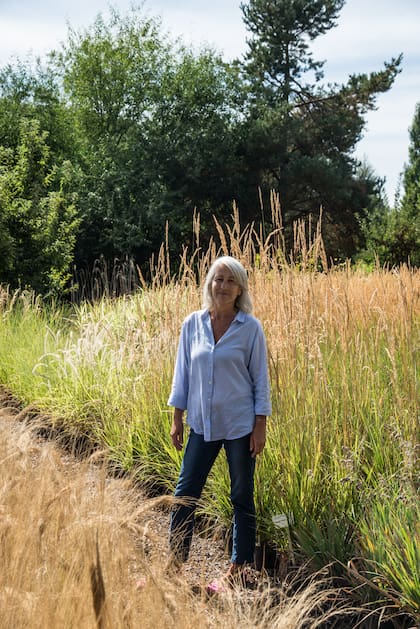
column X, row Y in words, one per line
column 280, row 521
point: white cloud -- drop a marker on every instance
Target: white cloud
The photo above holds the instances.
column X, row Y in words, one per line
column 19, row 37
column 218, row 24
column 385, row 37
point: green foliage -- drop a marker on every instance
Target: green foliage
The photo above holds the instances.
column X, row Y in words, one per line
column 154, row 131
column 390, row 540
column 38, row 216
column 111, row 74
column 299, row 133
column 29, row 90
column 393, row 238
column 406, row 226
column 411, row 197
column 157, row 132
column 343, row 438
column 193, row 142
column 393, row 234
column 279, row 53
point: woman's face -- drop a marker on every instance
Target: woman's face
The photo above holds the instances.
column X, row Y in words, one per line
column 224, row 288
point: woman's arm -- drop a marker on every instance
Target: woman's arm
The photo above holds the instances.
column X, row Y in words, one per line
column 258, row 370
column 257, row 441
column 177, row 429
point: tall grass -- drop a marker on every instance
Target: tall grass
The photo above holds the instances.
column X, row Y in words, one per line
column 75, row 542
column 342, row 346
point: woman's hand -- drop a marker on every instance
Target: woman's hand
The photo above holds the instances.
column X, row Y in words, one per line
column 177, row 429
column 257, row 441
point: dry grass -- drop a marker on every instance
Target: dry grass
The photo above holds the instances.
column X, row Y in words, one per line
column 72, row 549
column 342, row 442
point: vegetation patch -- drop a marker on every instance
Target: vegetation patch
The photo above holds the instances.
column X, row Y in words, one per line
column 342, row 451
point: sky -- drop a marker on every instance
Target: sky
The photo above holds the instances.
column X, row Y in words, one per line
column 368, row 33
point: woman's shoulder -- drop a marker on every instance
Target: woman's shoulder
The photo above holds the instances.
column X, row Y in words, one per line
column 194, row 316
column 249, row 319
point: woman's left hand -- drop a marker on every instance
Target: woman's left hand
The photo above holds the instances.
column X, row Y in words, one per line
column 257, row 440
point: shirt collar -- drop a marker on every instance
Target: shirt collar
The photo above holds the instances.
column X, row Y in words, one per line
column 239, row 317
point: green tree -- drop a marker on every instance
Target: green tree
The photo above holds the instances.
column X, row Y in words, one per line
column 407, row 217
column 156, row 124
column 299, row 134
column 393, row 235
column 38, row 217
column 111, row 73
column 32, row 90
column 194, row 142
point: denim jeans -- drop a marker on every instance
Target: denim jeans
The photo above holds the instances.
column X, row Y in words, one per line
column 198, row 460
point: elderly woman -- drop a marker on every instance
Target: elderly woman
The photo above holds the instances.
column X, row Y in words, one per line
column 221, row 380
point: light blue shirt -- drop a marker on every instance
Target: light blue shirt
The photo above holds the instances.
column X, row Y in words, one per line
column 222, row 385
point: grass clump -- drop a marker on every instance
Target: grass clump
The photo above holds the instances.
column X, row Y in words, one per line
column 342, row 347
column 74, row 543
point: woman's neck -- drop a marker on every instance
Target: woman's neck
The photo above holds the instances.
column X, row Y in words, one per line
column 223, row 313
column 221, row 320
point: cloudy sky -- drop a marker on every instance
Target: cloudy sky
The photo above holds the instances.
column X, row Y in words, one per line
column 369, row 32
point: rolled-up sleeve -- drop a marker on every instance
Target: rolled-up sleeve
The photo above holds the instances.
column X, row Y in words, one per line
column 180, row 383
column 258, row 369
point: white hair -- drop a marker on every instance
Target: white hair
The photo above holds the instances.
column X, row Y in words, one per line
column 243, row 301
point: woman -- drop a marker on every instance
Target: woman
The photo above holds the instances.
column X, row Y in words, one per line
column 221, row 380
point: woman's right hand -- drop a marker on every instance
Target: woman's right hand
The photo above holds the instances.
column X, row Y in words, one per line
column 177, row 429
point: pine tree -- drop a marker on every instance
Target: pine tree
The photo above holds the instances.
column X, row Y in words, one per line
column 299, row 134
column 411, row 198
column 405, row 228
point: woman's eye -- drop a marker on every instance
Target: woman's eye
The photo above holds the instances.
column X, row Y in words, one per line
column 230, row 280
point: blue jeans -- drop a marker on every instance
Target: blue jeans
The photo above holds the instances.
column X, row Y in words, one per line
column 198, row 460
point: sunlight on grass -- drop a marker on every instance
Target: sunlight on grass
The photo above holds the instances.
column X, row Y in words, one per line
column 342, row 351
column 75, row 542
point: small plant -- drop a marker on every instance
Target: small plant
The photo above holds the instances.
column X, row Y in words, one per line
column 389, row 543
